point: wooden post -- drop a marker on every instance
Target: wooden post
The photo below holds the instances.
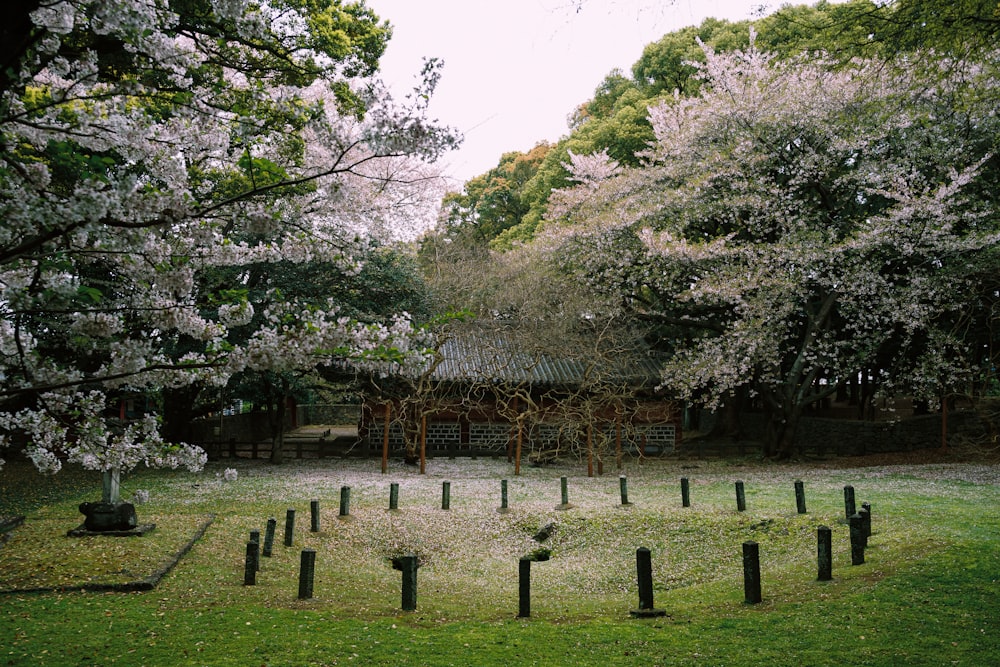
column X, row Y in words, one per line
column 524, row 588
column 644, row 576
column 408, row 564
column 423, row 444
column 345, row 502
column 314, row 516
column 623, row 487
column 800, row 497
column 849, row 506
column 307, row 572
column 289, row 526
column 272, row 524
column 741, row 498
column 394, row 496
column 857, row 539
column 252, row 564
column 445, row 495
column 685, row 492
column 385, row 440
column 503, row 497
column 751, row 572
column 824, row 553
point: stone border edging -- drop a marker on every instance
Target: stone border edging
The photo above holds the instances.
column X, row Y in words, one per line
column 144, row 584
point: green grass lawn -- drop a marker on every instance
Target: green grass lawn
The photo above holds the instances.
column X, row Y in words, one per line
column 927, row 594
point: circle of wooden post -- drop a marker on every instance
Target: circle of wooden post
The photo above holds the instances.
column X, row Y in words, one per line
column 857, row 540
column 503, row 497
column 849, row 507
column 289, row 526
column 345, row 502
column 824, row 553
column 314, row 516
column 252, row 564
column 524, row 588
column 272, row 524
column 623, row 487
column 408, row 565
column 307, row 571
column 751, row 572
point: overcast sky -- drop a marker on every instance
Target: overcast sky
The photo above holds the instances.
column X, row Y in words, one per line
column 515, row 70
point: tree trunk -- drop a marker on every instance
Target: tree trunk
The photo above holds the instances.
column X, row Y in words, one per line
column 178, row 413
column 785, row 443
column 278, row 424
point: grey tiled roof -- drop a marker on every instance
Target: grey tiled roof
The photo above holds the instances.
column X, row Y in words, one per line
column 494, row 358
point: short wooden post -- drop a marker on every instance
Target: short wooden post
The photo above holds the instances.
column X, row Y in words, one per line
column 623, row 487
column 751, row 572
column 866, row 513
column 824, row 553
column 408, row 564
column 865, row 523
column 307, row 571
column 345, row 502
column 272, row 524
column 685, row 492
column 394, row 496
column 741, row 498
column 252, row 564
column 314, row 516
column 524, row 588
column 564, row 493
column 445, row 495
column 255, row 537
column 857, row 540
column 800, row 497
column 849, row 508
column 503, row 497
column 289, row 526
column 644, row 576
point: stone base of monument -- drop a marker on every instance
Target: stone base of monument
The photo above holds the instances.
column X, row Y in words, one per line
column 137, row 531
column 113, row 519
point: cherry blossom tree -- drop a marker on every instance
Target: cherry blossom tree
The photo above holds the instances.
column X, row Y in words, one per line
column 149, row 147
column 796, row 224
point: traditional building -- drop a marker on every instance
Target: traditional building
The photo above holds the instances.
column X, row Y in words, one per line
column 488, row 394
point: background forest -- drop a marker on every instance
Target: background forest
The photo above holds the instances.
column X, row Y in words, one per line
column 791, row 208
column 209, row 202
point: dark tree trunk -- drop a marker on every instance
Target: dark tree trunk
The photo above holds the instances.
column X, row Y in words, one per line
column 278, row 403
column 179, row 412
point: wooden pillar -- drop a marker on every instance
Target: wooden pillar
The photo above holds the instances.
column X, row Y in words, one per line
column 385, row 439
